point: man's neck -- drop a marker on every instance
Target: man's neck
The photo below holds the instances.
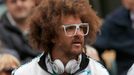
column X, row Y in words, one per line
column 22, row 26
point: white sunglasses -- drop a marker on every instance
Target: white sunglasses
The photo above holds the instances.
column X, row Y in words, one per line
column 71, row 29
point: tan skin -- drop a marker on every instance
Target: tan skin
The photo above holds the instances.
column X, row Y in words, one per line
column 12, row 65
column 20, row 10
column 65, row 49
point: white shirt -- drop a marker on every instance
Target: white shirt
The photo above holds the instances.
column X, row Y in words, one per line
column 33, row 68
column 131, row 70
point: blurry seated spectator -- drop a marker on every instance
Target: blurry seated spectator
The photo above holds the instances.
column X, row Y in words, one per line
column 14, row 30
column 4, row 49
column 118, row 33
column 8, row 63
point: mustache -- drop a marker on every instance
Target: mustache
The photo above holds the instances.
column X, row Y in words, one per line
column 78, row 40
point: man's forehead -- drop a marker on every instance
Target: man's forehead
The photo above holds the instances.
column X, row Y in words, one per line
column 71, row 20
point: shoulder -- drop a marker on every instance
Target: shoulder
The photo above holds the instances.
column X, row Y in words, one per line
column 131, row 70
column 97, row 68
column 118, row 16
column 118, row 13
column 27, row 69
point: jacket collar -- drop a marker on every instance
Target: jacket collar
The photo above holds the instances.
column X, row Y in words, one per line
column 83, row 64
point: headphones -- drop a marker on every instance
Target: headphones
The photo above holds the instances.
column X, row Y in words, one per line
column 57, row 67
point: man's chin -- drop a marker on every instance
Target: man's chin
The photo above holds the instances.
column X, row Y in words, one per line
column 76, row 52
column 21, row 15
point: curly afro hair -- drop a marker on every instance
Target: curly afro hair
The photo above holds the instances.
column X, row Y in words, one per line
column 47, row 18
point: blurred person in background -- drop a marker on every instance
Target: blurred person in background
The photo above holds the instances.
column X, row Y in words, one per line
column 14, row 30
column 8, row 63
column 60, row 28
column 4, row 49
column 118, row 33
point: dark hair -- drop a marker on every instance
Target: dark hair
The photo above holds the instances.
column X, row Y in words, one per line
column 47, row 17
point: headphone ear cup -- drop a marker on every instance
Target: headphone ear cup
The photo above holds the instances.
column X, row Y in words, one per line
column 72, row 66
column 58, row 66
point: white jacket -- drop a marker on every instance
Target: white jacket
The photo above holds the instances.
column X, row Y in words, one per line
column 33, row 68
column 131, row 70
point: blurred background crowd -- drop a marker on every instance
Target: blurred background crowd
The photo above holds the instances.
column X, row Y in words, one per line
column 114, row 46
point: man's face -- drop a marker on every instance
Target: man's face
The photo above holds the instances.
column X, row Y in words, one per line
column 129, row 4
column 71, row 37
column 20, row 9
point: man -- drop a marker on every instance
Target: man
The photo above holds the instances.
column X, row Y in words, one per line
column 118, row 33
column 14, row 30
column 59, row 27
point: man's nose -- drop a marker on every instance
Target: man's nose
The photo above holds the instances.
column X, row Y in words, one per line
column 79, row 32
